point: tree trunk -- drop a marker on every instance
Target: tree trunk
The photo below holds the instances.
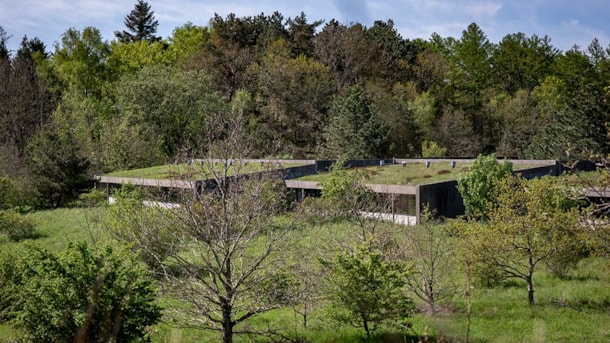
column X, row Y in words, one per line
column 530, row 290
column 227, row 325
column 365, row 323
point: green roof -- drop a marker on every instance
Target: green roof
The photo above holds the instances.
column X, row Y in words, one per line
column 195, row 170
column 413, row 173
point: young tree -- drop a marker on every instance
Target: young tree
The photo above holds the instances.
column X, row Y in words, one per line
column 476, row 187
column 84, row 295
column 429, row 249
column 227, row 262
column 532, row 221
column 369, row 289
column 141, row 25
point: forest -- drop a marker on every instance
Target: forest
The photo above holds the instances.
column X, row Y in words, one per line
column 309, row 90
column 229, row 264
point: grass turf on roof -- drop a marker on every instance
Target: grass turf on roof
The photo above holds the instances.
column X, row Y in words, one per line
column 195, row 170
column 411, row 173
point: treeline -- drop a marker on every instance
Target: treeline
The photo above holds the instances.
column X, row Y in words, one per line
column 309, row 89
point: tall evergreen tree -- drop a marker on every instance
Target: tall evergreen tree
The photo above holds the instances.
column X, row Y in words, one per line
column 141, row 24
column 4, row 37
column 355, row 129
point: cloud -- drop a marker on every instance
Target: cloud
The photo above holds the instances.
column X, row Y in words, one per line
column 353, row 11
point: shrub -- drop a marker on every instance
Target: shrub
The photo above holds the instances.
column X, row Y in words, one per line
column 15, row 226
column 84, row 294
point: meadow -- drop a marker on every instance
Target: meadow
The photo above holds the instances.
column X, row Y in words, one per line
column 575, row 308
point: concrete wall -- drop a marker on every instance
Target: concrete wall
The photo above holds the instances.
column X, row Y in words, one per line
column 443, row 198
column 296, row 172
column 550, row 170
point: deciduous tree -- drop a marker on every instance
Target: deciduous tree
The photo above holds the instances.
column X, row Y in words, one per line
column 531, row 222
column 477, row 186
column 369, row 288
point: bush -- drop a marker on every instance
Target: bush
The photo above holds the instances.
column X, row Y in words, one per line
column 9, row 272
column 13, row 195
column 84, row 295
column 93, row 198
column 15, row 226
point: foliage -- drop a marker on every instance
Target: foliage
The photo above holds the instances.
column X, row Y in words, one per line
column 430, row 149
column 293, row 97
column 476, row 187
column 141, row 24
column 14, row 195
column 531, row 222
column 144, row 228
column 345, row 196
column 164, row 107
column 56, row 167
column 355, row 129
column 370, row 288
column 84, row 294
column 16, row 226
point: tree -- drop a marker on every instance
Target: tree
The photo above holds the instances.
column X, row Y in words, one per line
column 227, row 262
column 4, row 52
column 532, row 221
column 476, row 187
column 144, row 228
column 233, row 47
column 84, row 295
column 349, row 54
column 456, row 133
column 472, row 66
column 521, row 63
column 369, row 287
column 56, row 166
column 355, row 129
column 429, row 250
column 185, row 41
column 168, row 105
column 293, row 95
column 301, row 35
column 26, row 104
column 141, row 25
column 521, row 120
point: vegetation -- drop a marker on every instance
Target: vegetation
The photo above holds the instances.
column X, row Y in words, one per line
column 81, row 295
column 197, row 170
column 237, row 257
column 409, row 174
column 478, row 185
column 567, row 308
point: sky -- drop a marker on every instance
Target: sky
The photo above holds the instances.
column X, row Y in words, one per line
column 566, row 22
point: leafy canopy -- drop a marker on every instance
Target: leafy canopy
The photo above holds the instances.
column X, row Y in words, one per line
column 84, row 294
column 477, row 185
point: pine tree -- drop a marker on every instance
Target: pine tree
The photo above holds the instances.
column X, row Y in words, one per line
column 141, row 24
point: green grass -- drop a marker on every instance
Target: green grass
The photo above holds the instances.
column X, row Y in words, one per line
column 197, row 171
column 410, row 174
column 574, row 309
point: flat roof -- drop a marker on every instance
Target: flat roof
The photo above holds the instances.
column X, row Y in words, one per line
column 417, row 172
